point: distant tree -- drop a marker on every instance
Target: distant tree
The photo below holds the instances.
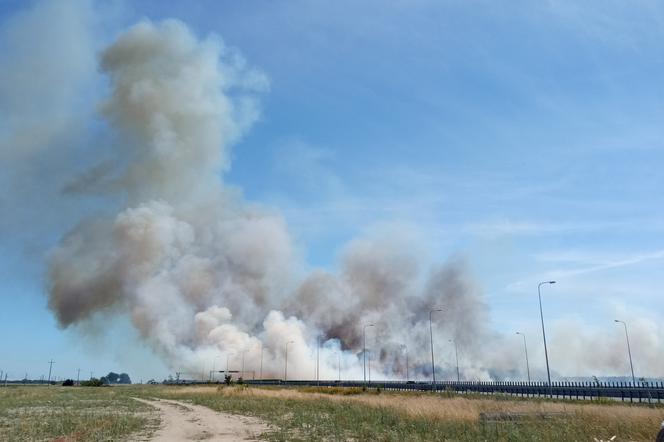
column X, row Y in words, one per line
column 94, row 382
column 124, row 379
column 112, row 378
column 228, row 379
column 68, row 383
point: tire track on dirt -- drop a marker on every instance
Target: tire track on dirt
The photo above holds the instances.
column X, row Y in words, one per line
column 187, row 422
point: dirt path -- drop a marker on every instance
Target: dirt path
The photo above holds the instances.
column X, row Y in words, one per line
column 182, row 422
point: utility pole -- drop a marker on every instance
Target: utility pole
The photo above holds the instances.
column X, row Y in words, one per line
column 50, row 366
column 78, row 377
column 262, row 348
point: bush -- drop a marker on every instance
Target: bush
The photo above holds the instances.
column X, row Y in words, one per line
column 228, row 379
column 68, row 383
column 94, row 382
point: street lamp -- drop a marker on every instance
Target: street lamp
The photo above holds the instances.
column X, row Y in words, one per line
column 364, row 349
column 404, row 346
column 286, row 367
column 261, row 372
column 243, row 352
column 212, row 374
column 227, row 356
column 456, row 354
column 629, row 350
column 546, row 353
column 433, row 363
column 525, row 347
column 318, row 360
column 339, row 364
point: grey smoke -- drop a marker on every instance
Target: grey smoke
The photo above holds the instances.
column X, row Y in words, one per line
column 201, row 272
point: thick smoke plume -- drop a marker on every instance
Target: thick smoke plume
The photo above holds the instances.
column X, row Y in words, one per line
column 202, row 273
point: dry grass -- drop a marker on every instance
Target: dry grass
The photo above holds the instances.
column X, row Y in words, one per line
column 29, row 413
column 442, row 408
column 317, row 414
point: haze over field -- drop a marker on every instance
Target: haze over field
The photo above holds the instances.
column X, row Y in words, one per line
column 121, row 138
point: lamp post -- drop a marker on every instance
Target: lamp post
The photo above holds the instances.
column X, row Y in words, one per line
column 227, row 357
column 212, row 373
column 243, row 352
column 404, row 346
column 433, row 363
column 339, row 364
column 629, row 350
column 525, row 347
column 286, row 367
column 546, row 353
column 456, row 354
column 364, row 349
column 261, row 372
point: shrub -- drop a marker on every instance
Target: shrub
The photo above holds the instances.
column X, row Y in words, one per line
column 94, row 382
column 68, row 383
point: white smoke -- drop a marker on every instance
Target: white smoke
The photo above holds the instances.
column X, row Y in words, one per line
column 200, row 272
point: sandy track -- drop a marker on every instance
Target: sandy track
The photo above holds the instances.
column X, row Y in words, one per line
column 182, row 422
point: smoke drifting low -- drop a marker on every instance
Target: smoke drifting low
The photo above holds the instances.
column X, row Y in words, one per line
column 201, row 272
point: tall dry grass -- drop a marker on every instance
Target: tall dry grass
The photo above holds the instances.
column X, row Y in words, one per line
column 448, row 408
column 320, row 414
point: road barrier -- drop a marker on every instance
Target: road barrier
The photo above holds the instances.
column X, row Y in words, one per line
column 624, row 391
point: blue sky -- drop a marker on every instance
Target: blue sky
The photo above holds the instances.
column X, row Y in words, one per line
column 526, row 137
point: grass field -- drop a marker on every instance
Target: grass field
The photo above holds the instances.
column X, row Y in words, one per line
column 36, row 413
column 45, row 413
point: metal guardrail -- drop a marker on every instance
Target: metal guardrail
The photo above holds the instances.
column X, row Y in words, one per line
column 625, row 391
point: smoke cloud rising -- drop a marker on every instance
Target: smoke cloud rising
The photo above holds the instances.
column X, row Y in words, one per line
column 201, row 272
column 204, row 275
